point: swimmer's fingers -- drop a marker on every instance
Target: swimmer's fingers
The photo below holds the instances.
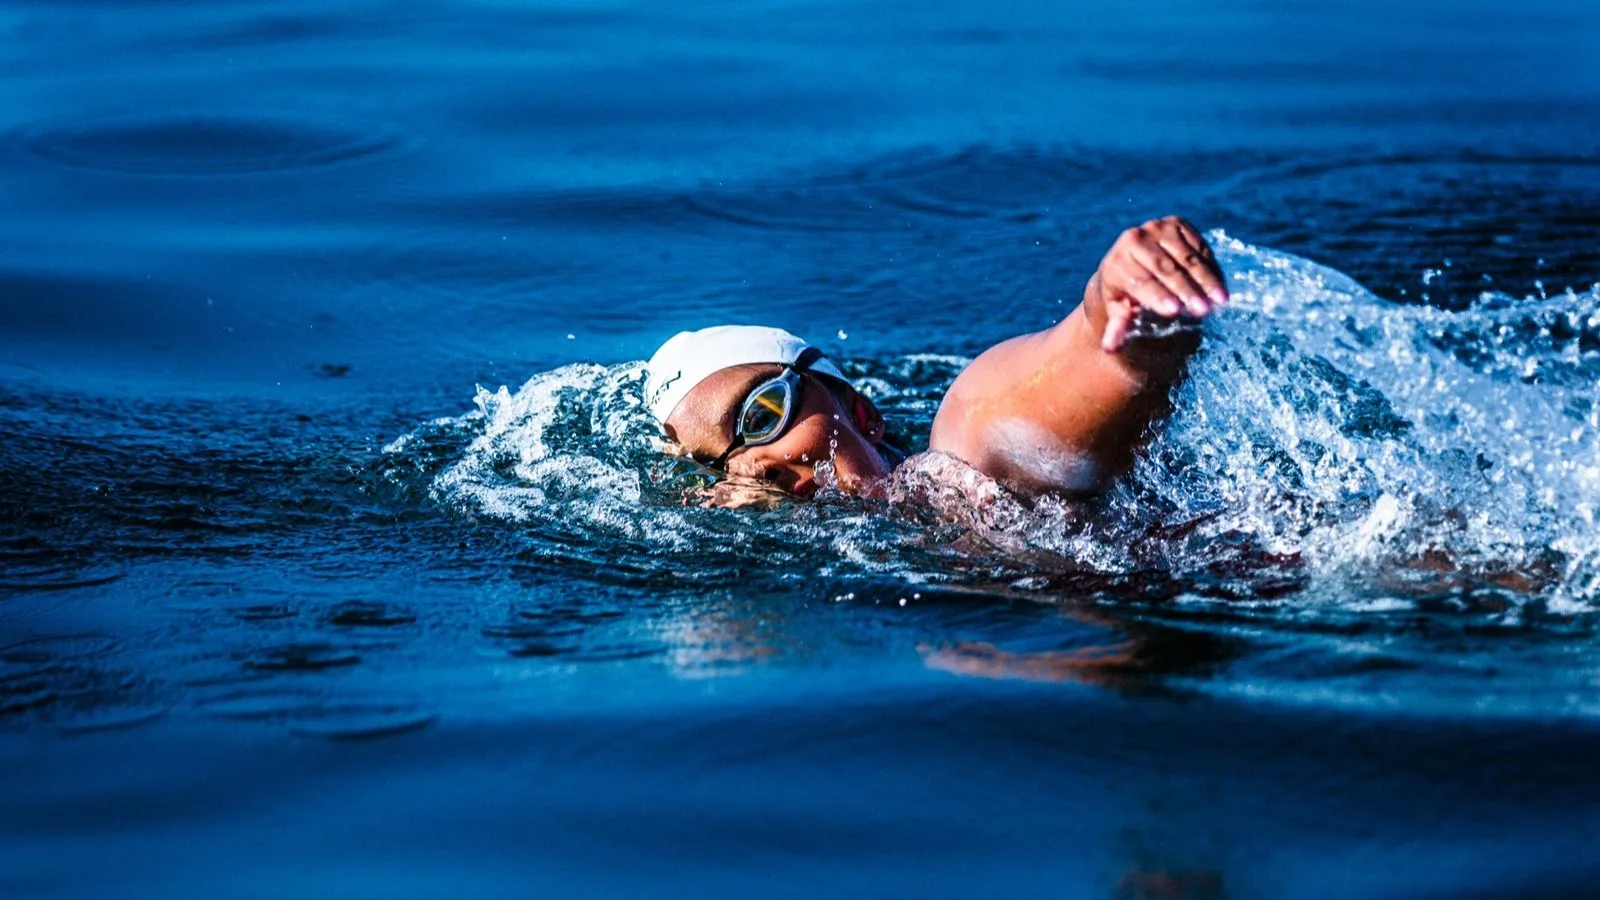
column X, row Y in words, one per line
column 1151, row 253
column 1119, row 319
column 1188, row 247
column 1125, row 276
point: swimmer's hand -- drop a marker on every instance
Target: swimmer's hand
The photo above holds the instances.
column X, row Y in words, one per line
column 1162, row 269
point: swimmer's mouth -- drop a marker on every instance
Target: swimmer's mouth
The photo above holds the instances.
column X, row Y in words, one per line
column 805, row 487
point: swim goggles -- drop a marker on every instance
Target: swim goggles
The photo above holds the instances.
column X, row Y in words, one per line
column 769, row 408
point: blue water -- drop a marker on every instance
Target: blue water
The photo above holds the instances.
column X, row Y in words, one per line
column 296, row 600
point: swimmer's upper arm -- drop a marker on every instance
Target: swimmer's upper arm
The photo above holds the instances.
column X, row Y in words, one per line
column 1065, row 408
column 1051, row 410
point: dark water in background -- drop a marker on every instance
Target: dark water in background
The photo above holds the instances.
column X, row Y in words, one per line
column 281, row 616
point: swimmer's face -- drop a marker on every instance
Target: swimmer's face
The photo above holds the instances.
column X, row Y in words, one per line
column 829, row 424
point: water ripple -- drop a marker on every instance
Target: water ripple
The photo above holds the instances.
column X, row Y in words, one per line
column 206, row 143
column 310, row 656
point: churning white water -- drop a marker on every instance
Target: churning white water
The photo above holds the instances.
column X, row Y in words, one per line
column 1376, row 451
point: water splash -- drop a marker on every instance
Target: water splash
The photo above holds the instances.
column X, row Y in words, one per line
column 1384, row 443
column 1361, row 449
column 572, row 458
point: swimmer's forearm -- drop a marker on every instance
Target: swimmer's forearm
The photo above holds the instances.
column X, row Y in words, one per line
column 1094, row 403
column 1146, row 359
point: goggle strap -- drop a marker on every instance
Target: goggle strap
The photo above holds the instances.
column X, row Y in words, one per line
column 807, row 358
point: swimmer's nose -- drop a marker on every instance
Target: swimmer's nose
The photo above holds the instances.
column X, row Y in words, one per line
column 805, row 486
column 797, row 480
column 793, row 478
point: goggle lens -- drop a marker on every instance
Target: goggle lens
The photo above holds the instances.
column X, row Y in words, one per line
column 765, row 412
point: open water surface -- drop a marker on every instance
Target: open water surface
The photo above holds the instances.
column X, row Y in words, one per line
column 335, row 558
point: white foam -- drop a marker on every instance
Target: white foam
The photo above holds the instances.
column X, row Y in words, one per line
column 1320, row 423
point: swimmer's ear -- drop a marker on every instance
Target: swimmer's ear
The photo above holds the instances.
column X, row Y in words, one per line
column 867, row 418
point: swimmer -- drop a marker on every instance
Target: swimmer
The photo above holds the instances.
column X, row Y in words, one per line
column 1062, row 410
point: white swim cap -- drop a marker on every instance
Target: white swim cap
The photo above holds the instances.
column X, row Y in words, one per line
column 689, row 357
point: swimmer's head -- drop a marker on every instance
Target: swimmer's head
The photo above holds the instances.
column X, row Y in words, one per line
column 763, row 404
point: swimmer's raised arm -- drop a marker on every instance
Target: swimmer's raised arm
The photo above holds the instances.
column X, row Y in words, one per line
column 1065, row 408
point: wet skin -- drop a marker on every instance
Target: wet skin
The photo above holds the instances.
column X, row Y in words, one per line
column 831, row 423
column 1064, row 409
column 1067, row 408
